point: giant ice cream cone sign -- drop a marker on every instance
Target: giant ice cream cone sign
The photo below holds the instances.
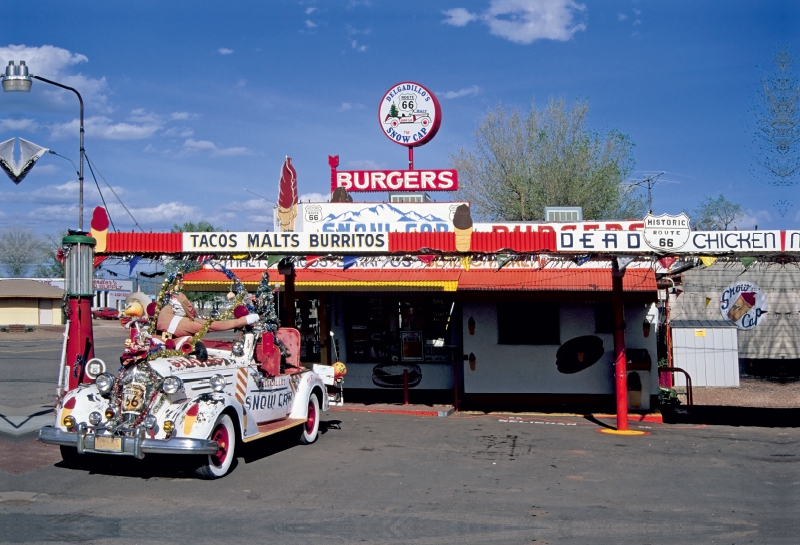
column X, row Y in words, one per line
column 462, row 224
column 287, row 196
column 99, row 227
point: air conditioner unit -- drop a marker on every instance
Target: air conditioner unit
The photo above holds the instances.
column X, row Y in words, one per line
column 563, row 214
column 409, row 197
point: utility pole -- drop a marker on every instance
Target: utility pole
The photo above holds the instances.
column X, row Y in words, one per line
column 650, row 182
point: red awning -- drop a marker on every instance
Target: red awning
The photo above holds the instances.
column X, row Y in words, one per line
column 567, row 279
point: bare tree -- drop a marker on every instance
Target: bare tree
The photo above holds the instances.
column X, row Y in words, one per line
column 776, row 123
column 20, row 249
column 49, row 266
column 718, row 214
column 522, row 162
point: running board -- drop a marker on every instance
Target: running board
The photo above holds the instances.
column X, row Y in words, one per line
column 275, row 427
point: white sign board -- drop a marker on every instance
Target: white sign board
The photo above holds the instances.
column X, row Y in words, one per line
column 363, row 217
column 699, row 242
column 666, row 233
column 284, row 243
column 743, row 304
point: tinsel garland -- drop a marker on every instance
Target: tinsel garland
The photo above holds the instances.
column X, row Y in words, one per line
column 264, row 306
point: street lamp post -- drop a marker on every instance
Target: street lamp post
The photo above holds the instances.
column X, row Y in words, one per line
column 79, row 259
column 18, row 79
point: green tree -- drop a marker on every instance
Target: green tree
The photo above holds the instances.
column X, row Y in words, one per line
column 718, row 214
column 522, row 162
column 20, row 250
column 776, row 123
column 201, row 299
column 393, row 112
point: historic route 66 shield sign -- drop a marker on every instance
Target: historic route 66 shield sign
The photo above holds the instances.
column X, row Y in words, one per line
column 665, row 233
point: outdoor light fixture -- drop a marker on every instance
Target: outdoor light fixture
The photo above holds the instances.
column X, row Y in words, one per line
column 17, row 78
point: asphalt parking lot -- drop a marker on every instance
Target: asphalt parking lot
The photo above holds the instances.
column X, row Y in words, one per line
column 384, row 478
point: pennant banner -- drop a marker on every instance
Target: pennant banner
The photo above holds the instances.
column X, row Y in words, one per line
column 272, row 259
column 348, row 261
column 747, row 262
column 502, row 260
column 134, row 260
column 666, row 262
column 708, row 260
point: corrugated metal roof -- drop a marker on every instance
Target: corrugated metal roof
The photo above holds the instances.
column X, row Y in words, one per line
column 517, row 241
column 414, row 242
column 710, row 324
column 572, row 279
column 28, row 289
column 144, row 243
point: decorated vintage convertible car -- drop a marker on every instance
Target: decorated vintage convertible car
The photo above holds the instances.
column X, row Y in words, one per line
column 177, row 394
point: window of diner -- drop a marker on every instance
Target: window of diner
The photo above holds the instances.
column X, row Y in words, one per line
column 527, row 322
column 603, row 318
column 397, row 329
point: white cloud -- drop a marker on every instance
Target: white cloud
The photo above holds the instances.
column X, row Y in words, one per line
column 525, row 21
column 187, row 133
column 197, row 146
column 312, row 197
column 102, row 127
column 753, row 218
column 359, row 48
column 347, row 106
column 311, row 24
column 241, row 82
column 621, row 17
column 459, row 17
column 169, row 212
column 224, row 51
column 49, row 194
column 177, row 116
column 309, row 11
column 364, row 164
column 26, row 125
column 469, row 91
column 54, row 63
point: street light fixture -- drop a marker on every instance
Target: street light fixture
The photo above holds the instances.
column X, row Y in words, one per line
column 16, row 79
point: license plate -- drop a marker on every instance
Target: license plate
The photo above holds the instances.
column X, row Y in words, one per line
column 112, row 444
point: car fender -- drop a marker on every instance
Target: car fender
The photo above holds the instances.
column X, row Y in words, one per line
column 196, row 417
column 80, row 403
column 309, row 383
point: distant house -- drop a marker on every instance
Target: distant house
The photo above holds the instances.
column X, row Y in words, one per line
column 29, row 302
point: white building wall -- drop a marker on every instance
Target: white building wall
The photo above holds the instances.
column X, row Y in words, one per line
column 531, row 369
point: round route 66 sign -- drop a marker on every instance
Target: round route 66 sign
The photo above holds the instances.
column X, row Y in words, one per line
column 409, row 114
column 665, row 232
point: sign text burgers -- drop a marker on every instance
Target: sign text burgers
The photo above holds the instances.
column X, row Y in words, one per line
column 396, row 180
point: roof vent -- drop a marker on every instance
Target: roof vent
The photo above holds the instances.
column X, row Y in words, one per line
column 563, row 214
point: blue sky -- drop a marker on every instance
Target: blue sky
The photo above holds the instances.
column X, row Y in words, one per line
column 189, row 103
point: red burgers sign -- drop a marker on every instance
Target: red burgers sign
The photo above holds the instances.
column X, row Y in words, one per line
column 395, row 180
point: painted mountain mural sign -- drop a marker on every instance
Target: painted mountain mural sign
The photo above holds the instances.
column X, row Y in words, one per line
column 359, row 217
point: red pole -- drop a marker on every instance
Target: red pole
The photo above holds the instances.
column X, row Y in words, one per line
column 80, row 343
column 405, row 386
column 669, row 339
column 411, row 158
column 620, row 367
column 455, row 385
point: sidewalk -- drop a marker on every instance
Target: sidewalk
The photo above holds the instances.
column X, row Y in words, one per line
column 441, row 411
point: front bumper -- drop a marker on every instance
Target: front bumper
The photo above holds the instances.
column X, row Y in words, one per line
column 137, row 446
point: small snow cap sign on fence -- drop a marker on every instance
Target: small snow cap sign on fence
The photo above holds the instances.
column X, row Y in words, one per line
column 743, row 304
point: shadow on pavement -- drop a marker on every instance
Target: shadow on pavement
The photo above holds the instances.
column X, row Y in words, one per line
column 733, row 416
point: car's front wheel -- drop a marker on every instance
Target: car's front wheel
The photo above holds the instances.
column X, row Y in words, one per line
column 311, row 427
column 219, row 464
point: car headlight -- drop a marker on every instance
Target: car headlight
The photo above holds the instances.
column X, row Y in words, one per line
column 171, row 385
column 94, row 367
column 169, row 425
column 104, row 382
column 218, row 383
column 238, row 349
column 94, row 418
column 110, row 413
column 69, row 421
column 150, row 421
